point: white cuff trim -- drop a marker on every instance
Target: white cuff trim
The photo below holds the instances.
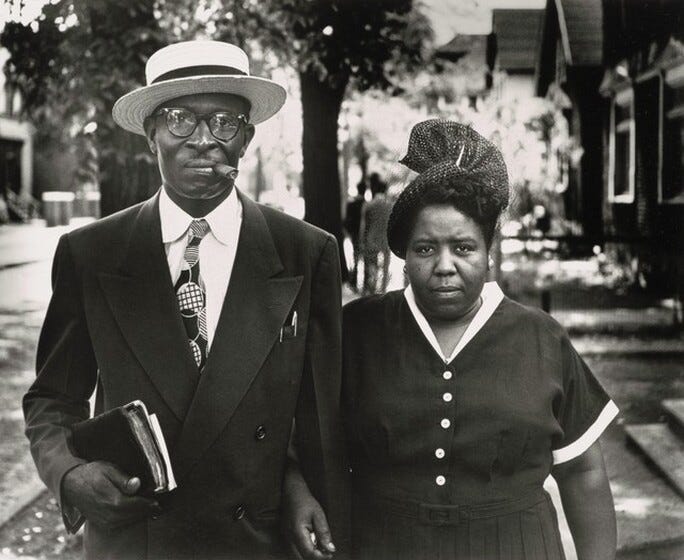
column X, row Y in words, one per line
column 585, row 441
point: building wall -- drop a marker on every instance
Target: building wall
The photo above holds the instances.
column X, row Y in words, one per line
column 647, row 70
column 517, row 86
column 13, row 129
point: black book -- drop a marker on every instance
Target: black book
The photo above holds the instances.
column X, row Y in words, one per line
column 131, row 439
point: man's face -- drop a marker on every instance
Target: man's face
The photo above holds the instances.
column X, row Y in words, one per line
column 186, row 163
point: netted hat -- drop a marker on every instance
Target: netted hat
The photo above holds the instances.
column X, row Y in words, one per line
column 449, row 156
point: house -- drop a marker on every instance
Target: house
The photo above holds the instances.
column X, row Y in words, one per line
column 568, row 60
column 464, row 60
column 622, row 65
column 512, row 49
column 643, row 85
column 16, row 151
column 509, row 50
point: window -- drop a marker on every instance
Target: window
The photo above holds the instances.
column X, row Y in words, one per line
column 622, row 148
column 671, row 168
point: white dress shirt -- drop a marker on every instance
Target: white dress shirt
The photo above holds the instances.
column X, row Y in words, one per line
column 216, row 250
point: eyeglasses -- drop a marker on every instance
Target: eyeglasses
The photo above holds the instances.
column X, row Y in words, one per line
column 182, row 122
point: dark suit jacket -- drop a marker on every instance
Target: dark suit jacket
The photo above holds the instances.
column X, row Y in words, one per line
column 113, row 324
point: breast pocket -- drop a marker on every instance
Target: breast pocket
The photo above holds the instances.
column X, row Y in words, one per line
column 285, row 362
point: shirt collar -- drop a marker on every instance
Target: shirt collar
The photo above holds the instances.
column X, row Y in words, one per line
column 222, row 220
column 491, row 298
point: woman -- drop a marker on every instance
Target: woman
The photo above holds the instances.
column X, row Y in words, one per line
column 458, row 401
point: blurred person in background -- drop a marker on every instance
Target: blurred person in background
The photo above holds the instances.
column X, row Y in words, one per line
column 459, row 402
column 373, row 239
column 352, row 225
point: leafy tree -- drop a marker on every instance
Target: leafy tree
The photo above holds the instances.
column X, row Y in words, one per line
column 332, row 43
column 338, row 42
column 70, row 66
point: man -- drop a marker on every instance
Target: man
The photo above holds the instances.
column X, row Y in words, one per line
column 373, row 239
column 221, row 315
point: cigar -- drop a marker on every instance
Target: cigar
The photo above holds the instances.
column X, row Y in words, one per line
column 226, row 171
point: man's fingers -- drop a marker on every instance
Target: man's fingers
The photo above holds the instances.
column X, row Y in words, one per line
column 128, row 485
column 310, row 546
column 304, row 544
column 322, row 530
column 303, row 539
column 132, row 486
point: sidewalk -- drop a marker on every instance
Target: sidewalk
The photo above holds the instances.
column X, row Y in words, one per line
column 26, row 252
column 27, row 243
column 619, row 321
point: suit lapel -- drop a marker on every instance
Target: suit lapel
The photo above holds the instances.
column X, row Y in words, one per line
column 143, row 302
column 254, row 310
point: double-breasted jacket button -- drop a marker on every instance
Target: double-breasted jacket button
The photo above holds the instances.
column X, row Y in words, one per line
column 260, row 433
column 239, row 513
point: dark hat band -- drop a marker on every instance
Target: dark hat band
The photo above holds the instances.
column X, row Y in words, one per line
column 190, row 71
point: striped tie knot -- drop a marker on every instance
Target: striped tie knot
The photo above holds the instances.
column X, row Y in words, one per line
column 198, row 229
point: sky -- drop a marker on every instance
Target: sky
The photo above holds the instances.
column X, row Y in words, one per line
column 11, row 9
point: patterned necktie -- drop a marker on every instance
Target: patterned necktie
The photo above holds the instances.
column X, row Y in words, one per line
column 191, row 294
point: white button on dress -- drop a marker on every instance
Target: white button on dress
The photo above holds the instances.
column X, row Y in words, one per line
column 439, row 453
column 440, row 480
column 447, row 397
column 447, row 375
column 445, row 423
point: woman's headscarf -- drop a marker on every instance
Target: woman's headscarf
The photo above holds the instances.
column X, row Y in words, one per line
column 451, row 157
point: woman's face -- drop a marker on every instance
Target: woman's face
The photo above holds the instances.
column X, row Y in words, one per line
column 446, row 262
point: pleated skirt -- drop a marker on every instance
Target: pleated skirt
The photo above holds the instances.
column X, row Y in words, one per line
column 529, row 534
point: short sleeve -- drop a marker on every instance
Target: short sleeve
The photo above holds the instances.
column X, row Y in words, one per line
column 584, row 411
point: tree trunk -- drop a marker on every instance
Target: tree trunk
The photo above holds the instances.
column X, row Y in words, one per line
column 321, row 103
column 126, row 177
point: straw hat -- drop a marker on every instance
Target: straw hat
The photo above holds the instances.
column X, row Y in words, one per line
column 192, row 67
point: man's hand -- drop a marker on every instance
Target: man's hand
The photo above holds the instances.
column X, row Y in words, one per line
column 306, row 523
column 105, row 495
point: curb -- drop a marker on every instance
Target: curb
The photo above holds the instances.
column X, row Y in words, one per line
column 675, row 544
column 6, row 266
column 588, row 349
column 633, row 329
column 23, row 494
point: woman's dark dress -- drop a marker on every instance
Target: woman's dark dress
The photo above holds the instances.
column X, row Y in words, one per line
column 520, row 396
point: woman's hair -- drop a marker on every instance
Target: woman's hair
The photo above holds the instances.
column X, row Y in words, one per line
column 469, row 197
column 456, row 167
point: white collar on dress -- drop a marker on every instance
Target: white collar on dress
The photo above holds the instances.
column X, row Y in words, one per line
column 222, row 219
column 491, row 298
